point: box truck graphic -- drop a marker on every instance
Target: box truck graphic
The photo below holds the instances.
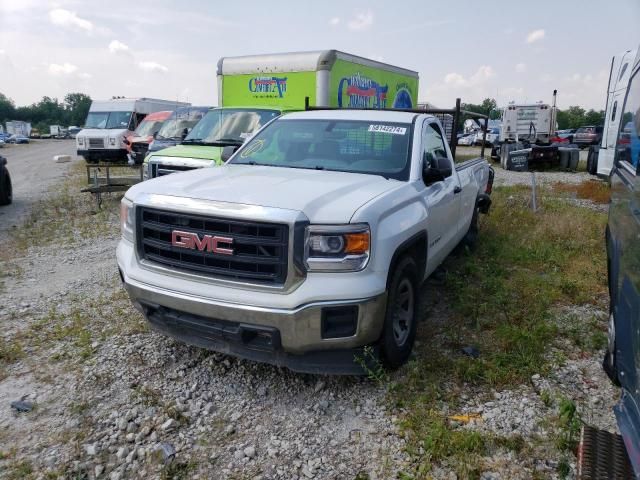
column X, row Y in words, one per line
column 329, row 78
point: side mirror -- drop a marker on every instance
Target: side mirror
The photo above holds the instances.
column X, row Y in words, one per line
column 227, row 152
column 436, row 170
column 185, row 132
column 155, row 134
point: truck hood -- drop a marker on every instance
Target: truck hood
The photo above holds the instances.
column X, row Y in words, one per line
column 191, row 151
column 323, row 196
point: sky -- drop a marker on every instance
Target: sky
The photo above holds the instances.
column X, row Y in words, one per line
column 511, row 51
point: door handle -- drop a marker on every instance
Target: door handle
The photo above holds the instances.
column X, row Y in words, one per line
column 457, row 189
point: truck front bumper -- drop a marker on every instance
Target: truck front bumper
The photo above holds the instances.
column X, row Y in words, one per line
column 103, row 153
column 321, row 336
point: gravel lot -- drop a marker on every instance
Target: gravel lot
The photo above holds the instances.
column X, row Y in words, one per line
column 32, row 171
column 115, row 400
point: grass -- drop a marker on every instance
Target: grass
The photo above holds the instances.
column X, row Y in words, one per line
column 503, row 299
column 67, row 216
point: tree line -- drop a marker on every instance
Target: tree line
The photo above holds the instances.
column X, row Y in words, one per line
column 75, row 106
column 48, row 111
column 572, row 117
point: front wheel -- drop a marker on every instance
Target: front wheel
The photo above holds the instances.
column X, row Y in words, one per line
column 399, row 331
column 609, row 362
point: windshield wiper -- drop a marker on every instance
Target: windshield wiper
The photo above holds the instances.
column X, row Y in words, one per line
column 233, row 141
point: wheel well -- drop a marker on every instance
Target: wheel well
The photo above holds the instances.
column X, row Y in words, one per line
column 416, row 248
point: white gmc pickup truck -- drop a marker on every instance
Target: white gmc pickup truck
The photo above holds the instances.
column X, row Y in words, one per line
column 309, row 244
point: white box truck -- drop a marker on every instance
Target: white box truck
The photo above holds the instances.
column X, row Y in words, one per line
column 600, row 159
column 18, row 127
column 109, row 122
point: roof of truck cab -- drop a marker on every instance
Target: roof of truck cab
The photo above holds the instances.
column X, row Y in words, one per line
column 354, row 114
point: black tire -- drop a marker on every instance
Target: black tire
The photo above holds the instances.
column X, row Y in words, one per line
column 609, row 364
column 470, row 238
column 401, row 318
column 592, row 161
column 6, row 191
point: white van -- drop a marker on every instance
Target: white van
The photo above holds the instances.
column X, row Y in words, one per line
column 111, row 121
column 600, row 160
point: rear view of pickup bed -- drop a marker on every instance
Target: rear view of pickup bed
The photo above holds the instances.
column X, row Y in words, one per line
column 309, row 244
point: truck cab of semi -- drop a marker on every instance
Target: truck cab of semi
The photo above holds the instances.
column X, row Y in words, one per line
column 600, row 159
column 622, row 359
column 110, row 122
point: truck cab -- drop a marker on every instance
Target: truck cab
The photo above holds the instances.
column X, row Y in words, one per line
column 600, row 160
column 622, row 359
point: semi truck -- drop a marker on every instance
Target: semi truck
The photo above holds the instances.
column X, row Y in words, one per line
column 603, row 452
column 306, row 249
column 110, row 122
column 252, row 89
column 600, row 158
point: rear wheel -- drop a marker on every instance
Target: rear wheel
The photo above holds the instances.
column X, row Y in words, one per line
column 399, row 330
column 6, row 192
column 592, row 160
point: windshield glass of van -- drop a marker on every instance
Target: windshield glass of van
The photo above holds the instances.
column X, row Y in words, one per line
column 174, row 128
column 118, row 119
column 97, row 120
column 229, row 125
column 148, row 127
column 377, row 148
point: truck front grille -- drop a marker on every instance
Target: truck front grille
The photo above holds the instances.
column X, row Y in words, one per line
column 139, row 150
column 159, row 170
column 96, row 142
column 260, row 250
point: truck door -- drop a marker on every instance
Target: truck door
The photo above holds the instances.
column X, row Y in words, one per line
column 442, row 198
column 624, row 259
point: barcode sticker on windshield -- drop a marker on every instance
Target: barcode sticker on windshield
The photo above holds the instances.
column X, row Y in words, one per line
column 388, row 129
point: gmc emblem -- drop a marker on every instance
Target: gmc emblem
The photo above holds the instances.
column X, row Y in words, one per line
column 209, row 243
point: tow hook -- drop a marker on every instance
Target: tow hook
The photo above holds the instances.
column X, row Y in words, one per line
column 484, row 202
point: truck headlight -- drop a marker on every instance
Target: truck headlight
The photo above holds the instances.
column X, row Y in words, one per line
column 81, row 141
column 127, row 219
column 337, row 248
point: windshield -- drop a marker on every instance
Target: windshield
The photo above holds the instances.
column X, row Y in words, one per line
column 108, row 120
column 148, row 127
column 229, row 125
column 376, row 148
column 174, row 128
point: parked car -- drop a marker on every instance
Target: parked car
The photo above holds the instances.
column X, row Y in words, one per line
column 17, row 138
column 73, row 131
column 567, row 134
column 309, row 244
column 623, row 261
column 467, row 139
column 492, row 136
column 589, row 135
column 6, row 190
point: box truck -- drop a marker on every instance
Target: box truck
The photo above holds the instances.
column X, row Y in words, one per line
column 600, row 158
column 256, row 88
column 110, row 122
column 18, row 127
